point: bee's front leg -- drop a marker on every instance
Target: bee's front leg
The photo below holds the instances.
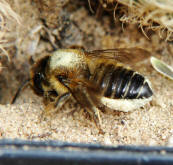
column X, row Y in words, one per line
column 57, row 104
column 62, row 96
column 62, row 100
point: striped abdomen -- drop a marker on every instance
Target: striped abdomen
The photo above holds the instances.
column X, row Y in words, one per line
column 120, row 82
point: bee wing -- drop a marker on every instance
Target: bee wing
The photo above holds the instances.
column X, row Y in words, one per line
column 80, row 87
column 84, row 83
column 124, row 55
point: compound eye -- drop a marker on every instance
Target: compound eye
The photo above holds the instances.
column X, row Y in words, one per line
column 37, row 83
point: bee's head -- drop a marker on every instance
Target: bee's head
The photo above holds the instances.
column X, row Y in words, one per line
column 38, row 75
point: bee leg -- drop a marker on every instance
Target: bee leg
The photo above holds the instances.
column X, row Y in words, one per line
column 62, row 100
column 63, row 96
column 57, row 104
column 47, row 112
column 97, row 113
column 84, row 98
column 71, row 113
column 97, row 119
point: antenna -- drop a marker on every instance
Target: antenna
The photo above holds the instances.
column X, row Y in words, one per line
column 22, row 87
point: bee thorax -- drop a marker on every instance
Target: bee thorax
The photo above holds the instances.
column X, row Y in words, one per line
column 67, row 58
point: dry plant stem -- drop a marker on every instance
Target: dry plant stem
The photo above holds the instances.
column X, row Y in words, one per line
column 7, row 15
column 148, row 13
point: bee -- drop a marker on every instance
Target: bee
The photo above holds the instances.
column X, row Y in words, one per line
column 95, row 79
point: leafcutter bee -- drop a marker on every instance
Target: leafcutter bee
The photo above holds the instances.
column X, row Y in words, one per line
column 95, row 79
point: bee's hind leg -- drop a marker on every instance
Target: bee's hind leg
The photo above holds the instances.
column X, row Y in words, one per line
column 97, row 120
column 86, row 101
column 95, row 117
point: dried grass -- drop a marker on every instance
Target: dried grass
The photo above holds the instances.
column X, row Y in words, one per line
column 154, row 14
column 7, row 17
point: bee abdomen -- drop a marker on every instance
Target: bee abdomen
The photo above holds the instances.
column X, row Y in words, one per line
column 120, row 82
column 138, row 88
